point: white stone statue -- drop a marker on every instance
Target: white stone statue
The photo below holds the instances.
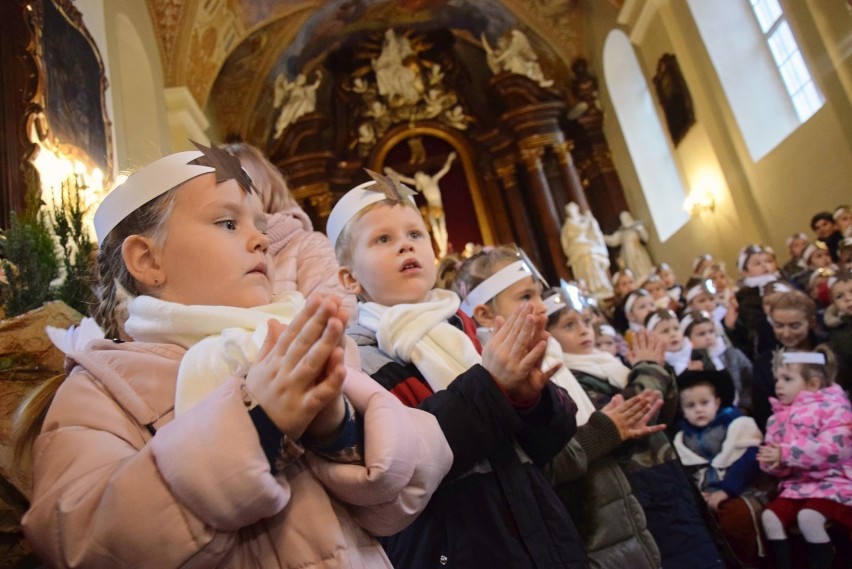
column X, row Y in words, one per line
column 398, row 83
column 584, row 247
column 632, row 236
column 428, row 186
column 295, row 98
column 515, row 55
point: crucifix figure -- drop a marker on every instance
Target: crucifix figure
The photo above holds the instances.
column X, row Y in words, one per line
column 428, row 186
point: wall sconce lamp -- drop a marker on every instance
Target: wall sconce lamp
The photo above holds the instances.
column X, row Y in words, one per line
column 699, row 200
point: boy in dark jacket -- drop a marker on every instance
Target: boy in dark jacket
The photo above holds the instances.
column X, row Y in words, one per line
column 503, row 418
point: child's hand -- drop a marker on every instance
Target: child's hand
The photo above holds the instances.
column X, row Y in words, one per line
column 299, row 371
column 647, row 346
column 732, row 313
column 769, row 455
column 513, row 355
column 713, row 499
column 632, row 416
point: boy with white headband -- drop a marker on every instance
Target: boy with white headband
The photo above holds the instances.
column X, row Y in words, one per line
column 757, row 268
column 501, row 415
column 229, row 433
column 808, row 445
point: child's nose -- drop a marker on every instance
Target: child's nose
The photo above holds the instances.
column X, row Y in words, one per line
column 259, row 241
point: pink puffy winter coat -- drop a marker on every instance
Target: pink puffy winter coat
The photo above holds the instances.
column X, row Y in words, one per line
column 814, row 433
column 199, row 492
column 304, row 259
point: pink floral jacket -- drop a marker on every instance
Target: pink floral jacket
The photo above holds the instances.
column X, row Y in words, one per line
column 815, row 436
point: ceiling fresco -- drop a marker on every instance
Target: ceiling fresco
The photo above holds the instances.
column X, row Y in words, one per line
column 239, row 47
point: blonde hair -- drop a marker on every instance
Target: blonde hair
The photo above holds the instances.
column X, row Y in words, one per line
column 478, row 267
column 343, row 247
column 265, row 177
column 825, row 372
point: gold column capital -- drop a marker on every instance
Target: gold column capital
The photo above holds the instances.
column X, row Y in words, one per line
column 531, row 157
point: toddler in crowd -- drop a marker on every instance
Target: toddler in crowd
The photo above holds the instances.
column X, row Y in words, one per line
column 792, row 318
column 838, row 322
column 218, row 437
column 637, row 306
column 657, row 289
column 843, row 219
column 650, row 463
column 718, row 445
column 673, row 289
column 809, row 447
column 502, row 416
column 742, row 321
column 796, row 244
column 715, row 354
column 699, row 265
column 677, row 350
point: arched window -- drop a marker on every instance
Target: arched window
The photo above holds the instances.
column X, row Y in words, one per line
column 645, row 136
column 764, row 76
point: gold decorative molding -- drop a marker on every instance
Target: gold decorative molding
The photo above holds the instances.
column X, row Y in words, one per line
column 531, row 158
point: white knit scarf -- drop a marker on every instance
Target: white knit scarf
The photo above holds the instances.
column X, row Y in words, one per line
column 679, row 360
column 221, row 341
column 566, row 380
column 600, row 364
column 420, row 334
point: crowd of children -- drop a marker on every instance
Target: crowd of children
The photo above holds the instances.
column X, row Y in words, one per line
column 269, row 396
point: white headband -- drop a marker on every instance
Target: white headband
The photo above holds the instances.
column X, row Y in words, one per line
column 632, row 298
column 812, row 248
column 143, row 186
column 554, row 303
column 803, row 358
column 354, row 201
column 495, row 284
column 607, row 330
column 656, row 319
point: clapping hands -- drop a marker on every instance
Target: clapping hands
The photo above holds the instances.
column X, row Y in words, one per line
column 514, row 353
column 298, row 377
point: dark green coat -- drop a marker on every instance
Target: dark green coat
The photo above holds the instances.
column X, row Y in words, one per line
column 658, row 481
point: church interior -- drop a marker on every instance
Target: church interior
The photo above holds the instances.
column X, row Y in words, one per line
column 678, row 127
column 662, row 109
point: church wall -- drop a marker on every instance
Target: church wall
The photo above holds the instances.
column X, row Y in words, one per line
column 763, row 201
column 136, row 84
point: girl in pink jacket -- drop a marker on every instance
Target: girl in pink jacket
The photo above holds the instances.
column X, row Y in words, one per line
column 229, row 433
column 809, row 447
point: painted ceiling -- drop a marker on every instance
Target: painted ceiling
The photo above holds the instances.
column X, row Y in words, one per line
column 229, row 52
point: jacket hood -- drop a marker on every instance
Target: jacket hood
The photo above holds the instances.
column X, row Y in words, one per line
column 284, row 225
column 133, row 373
column 832, row 317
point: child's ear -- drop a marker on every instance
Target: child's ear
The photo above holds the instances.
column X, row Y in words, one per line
column 484, row 315
column 141, row 257
column 348, row 281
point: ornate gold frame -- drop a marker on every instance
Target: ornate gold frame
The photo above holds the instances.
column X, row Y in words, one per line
column 38, row 129
column 403, row 132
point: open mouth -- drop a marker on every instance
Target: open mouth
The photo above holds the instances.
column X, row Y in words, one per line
column 410, row 265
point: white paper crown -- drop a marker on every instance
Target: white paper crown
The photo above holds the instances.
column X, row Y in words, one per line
column 360, row 197
column 143, row 186
column 803, row 358
column 495, row 284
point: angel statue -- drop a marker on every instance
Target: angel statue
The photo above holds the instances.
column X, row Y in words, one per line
column 515, row 55
column 428, row 186
column 295, row 98
column 397, row 82
column 632, row 236
column 584, row 247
